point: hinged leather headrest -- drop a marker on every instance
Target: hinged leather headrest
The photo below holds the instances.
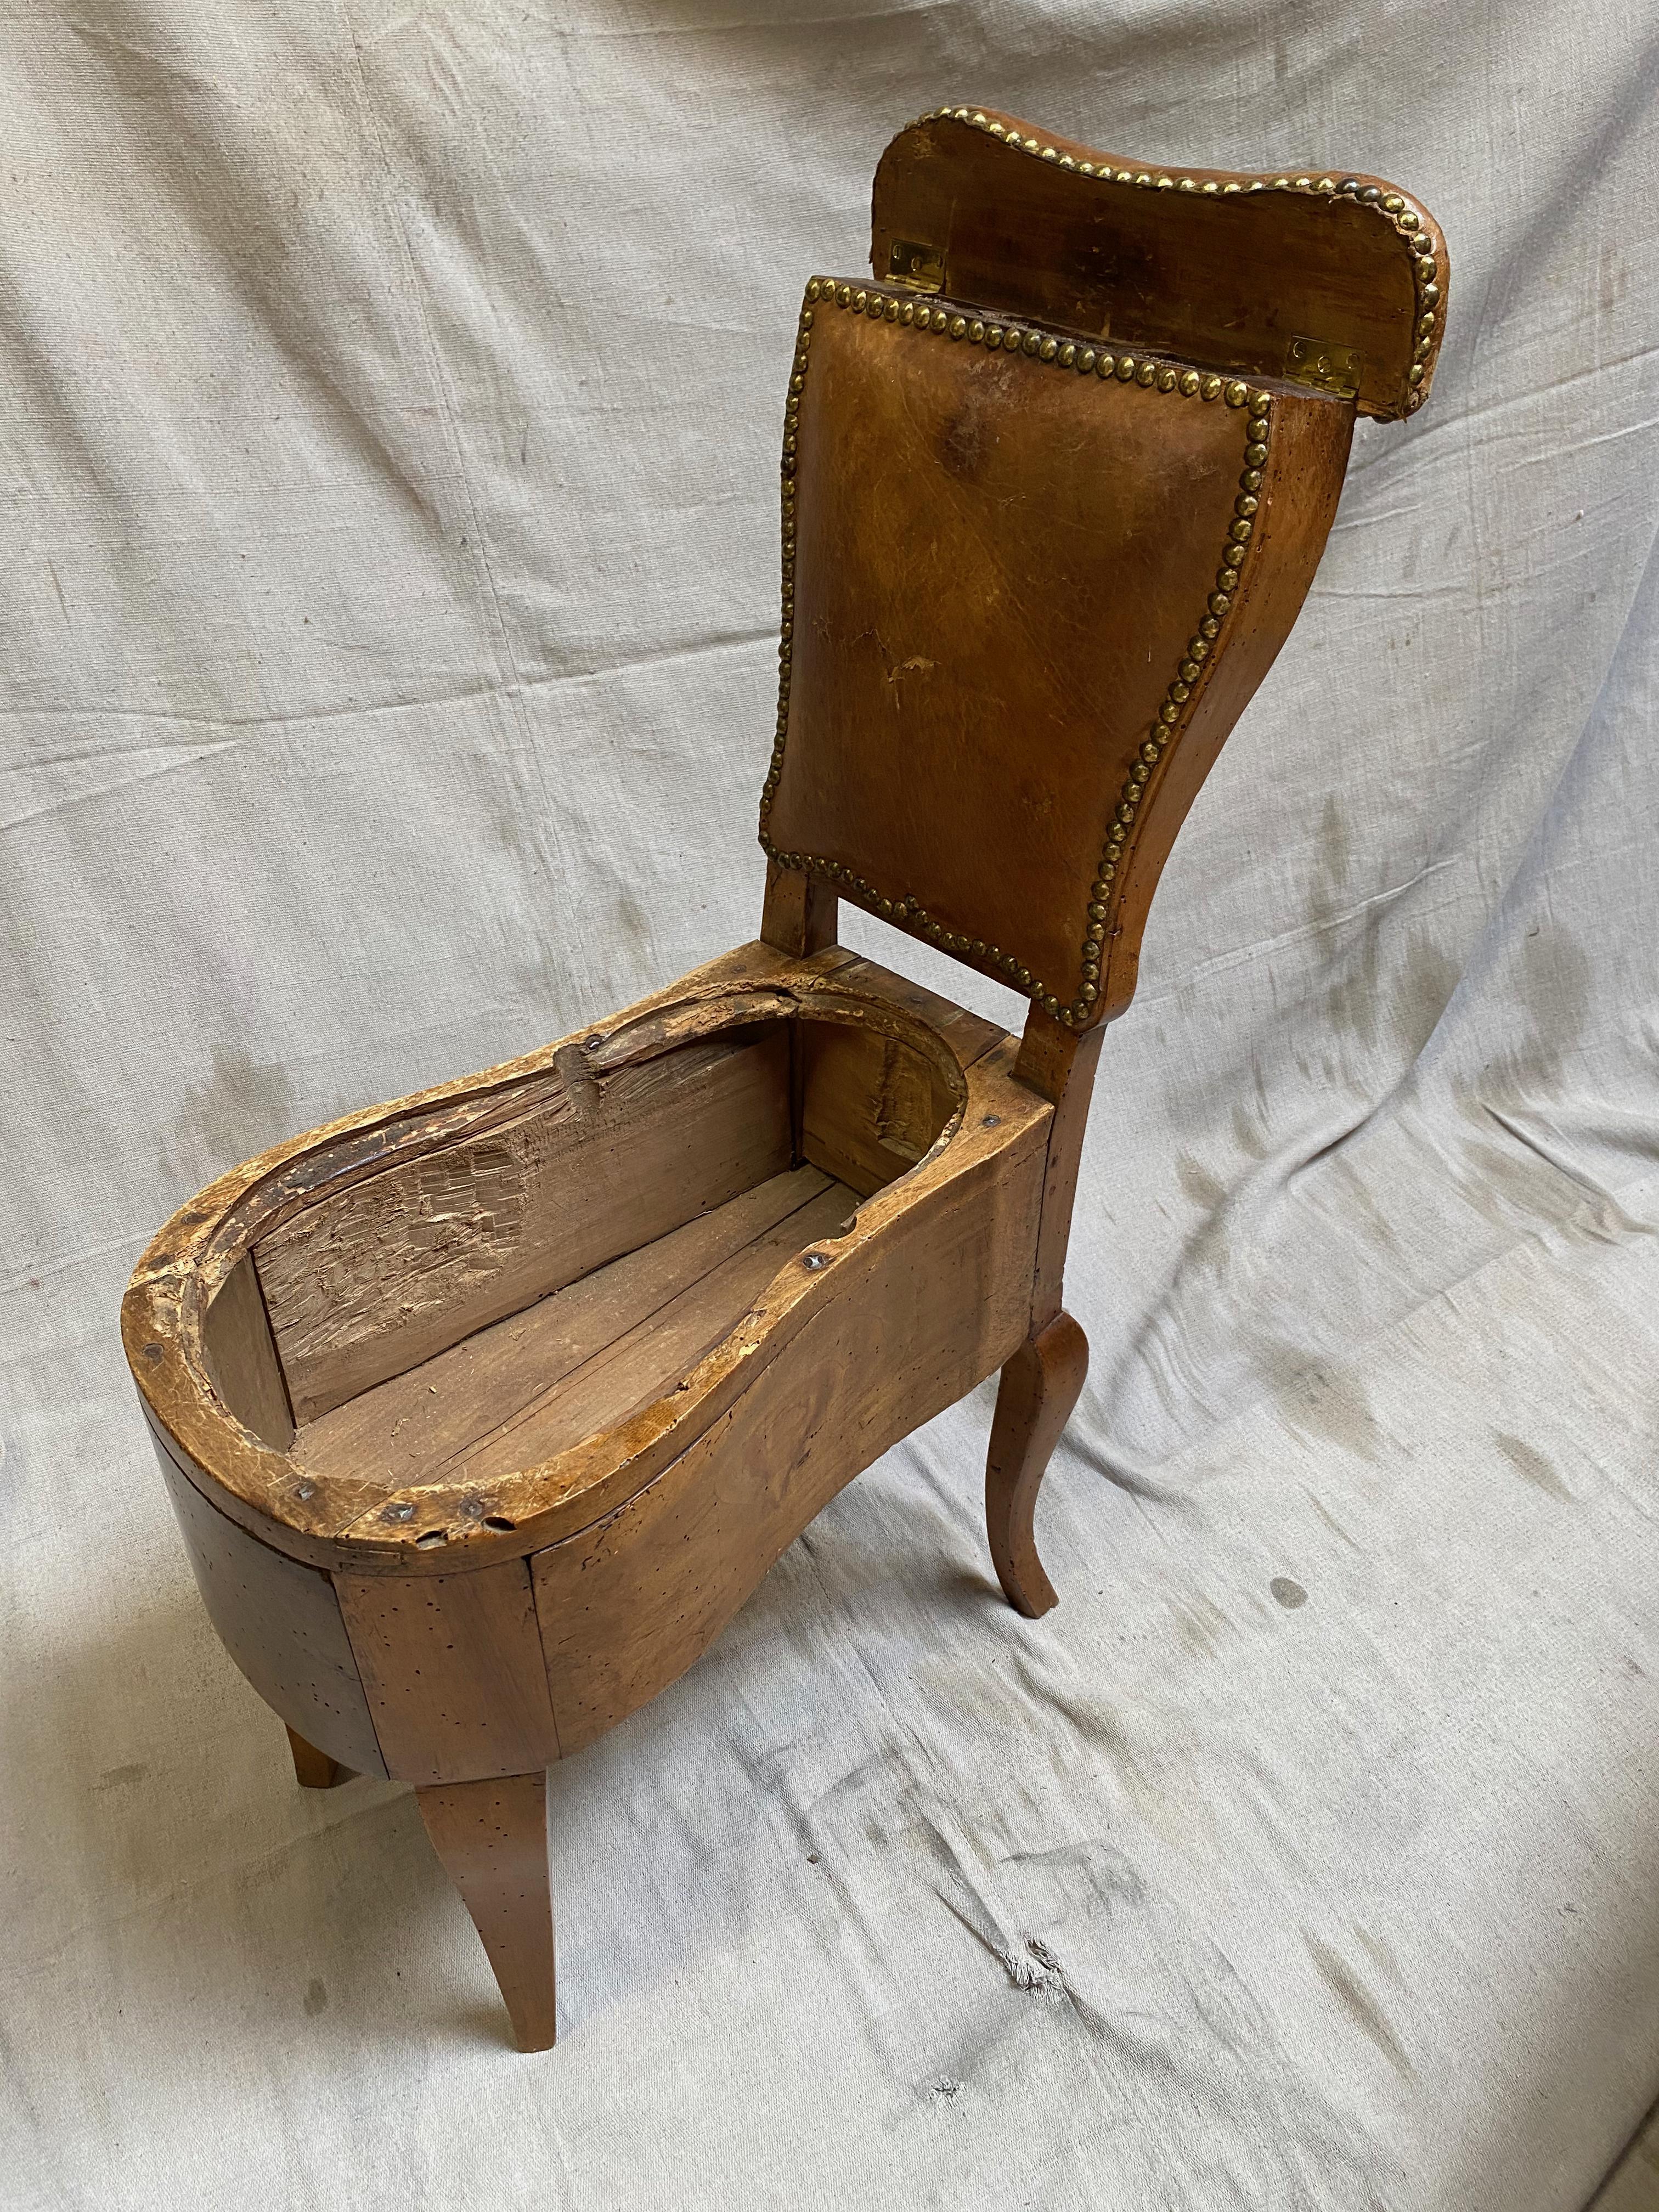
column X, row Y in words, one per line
column 1327, row 279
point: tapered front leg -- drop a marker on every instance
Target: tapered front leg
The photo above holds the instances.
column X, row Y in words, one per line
column 314, row 1769
column 1039, row 1388
column 492, row 1840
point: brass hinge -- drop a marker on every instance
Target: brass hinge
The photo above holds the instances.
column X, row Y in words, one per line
column 922, row 267
column 1328, row 367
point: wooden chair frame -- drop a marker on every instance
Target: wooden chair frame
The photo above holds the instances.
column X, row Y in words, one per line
column 483, row 1410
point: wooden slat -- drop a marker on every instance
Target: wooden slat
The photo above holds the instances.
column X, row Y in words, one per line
column 452, row 1668
column 368, row 1283
column 645, row 1364
column 582, row 1359
column 869, row 1106
column 280, row 1623
column 241, row 1357
column 969, row 1035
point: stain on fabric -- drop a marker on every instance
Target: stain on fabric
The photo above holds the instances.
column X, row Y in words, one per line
column 242, row 1106
column 1331, row 1404
column 316, row 1996
column 1351, row 1004
column 1201, row 1624
column 121, row 1778
column 1325, row 891
column 1531, row 1465
column 1200, row 1185
column 1351, row 1001
column 1329, row 1519
column 1501, row 1182
column 1360, row 2006
column 1554, row 989
column 1419, row 995
column 1247, row 1134
column 1289, row 1593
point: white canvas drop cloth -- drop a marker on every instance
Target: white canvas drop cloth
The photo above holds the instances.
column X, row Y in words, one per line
column 389, row 401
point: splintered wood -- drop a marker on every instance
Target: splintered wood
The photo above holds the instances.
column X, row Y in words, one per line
column 368, row 1283
column 585, row 1358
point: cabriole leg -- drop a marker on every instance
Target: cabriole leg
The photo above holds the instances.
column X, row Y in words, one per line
column 492, row 1840
column 1040, row 1386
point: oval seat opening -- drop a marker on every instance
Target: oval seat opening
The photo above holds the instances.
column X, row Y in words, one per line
column 487, row 1297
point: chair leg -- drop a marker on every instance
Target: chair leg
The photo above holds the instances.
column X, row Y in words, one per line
column 314, row 1769
column 1040, row 1386
column 492, row 1840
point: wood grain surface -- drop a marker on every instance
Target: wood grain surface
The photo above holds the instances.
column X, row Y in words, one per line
column 241, row 1355
column 491, row 1837
column 1039, row 1388
column 369, row 1282
column 910, row 1322
column 584, row 1359
column 279, row 1621
column 452, row 1665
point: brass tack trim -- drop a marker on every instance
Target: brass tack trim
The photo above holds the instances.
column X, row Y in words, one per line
column 1047, row 351
column 1392, row 208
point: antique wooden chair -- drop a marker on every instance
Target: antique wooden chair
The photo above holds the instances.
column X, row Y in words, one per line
column 483, row 1411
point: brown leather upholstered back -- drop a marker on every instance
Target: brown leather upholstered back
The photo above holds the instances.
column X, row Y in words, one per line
column 1028, row 585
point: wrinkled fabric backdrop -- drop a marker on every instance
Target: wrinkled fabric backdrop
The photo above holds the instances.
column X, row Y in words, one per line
column 390, row 413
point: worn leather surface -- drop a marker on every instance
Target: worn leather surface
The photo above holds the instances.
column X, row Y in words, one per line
column 1325, row 277
column 999, row 564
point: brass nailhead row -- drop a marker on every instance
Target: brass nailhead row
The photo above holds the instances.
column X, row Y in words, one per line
column 1393, row 207
column 1045, row 348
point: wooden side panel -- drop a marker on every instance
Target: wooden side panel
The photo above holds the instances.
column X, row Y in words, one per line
column 1308, row 457
column 869, row 1106
column 452, row 1668
column 241, row 1357
column 367, row 1283
column 280, row 1623
column 929, row 1309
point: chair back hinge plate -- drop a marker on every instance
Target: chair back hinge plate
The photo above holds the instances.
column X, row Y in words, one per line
column 1328, row 367
column 919, row 265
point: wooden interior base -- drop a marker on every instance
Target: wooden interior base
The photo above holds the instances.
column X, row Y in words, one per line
column 583, row 1359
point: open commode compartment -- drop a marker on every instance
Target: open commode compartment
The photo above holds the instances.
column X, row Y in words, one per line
column 481, row 1297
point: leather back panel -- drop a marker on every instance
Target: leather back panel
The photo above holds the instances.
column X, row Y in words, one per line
column 1010, row 568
